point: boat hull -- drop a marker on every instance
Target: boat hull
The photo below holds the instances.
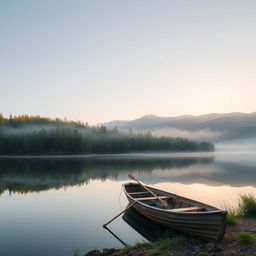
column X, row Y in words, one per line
column 209, row 225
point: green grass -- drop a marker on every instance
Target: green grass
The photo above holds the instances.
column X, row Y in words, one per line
column 246, row 208
column 76, row 253
column 247, row 205
column 156, row 248
column 203, row 254
column 245, row 237
column 126, row 249
column 164, row 245
column 232, row 215
column 143, row 245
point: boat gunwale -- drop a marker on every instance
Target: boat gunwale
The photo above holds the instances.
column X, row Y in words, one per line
column 167, row 211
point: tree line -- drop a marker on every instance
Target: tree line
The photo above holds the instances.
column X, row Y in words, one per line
column 69, row 137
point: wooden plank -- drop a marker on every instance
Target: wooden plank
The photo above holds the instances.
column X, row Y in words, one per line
column 138, row 193
column 186, row 209
column 163, row 203
column 151, row 198
column 206, row 227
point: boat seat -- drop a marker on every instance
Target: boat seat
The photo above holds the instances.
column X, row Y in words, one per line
column 138, row 193
column 187, row 209
column 151, row 198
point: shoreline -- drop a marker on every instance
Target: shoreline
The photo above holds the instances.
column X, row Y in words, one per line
column 230, row 245
column 191, row 154
column 133, row 155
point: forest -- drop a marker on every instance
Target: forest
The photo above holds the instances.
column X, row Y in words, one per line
column 35, row 135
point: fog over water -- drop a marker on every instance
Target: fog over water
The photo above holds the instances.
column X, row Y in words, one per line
column 62, row 202
column 236, row 146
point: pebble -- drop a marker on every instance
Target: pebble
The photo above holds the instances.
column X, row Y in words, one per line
column 197, row 248
column 210, row 246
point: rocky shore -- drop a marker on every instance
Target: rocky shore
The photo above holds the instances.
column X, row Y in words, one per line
column 231, row 245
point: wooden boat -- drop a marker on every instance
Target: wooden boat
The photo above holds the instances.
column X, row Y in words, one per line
column 150, row 230
column 182, row 214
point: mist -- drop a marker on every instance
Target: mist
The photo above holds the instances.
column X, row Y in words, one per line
column 223, row 141
column 246, row 145
column 204, row 134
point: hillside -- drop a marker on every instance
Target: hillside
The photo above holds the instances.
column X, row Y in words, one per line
column 213, row 127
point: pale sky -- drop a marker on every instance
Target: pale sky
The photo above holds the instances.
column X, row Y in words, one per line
column 97, row 61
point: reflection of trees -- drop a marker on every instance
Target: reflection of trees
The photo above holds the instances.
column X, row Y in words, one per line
column 28, row 175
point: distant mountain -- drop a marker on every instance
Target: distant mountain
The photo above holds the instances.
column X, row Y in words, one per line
column 214, row 127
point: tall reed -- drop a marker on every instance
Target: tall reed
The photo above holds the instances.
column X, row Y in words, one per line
column 246, row 207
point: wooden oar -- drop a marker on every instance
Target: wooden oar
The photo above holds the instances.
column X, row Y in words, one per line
column 163, row 203
column 131, row 205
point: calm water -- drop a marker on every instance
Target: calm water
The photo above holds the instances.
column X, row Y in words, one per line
column 54, row 206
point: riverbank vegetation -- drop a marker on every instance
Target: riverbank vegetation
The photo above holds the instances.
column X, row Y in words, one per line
column 37, row 135
column 160, row 247
column 246, row 207
column 239, row 240
column 245, row 237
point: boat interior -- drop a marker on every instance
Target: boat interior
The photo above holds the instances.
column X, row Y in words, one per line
column 175, row 204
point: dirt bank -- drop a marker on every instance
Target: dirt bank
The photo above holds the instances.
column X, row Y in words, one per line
column 229, row 246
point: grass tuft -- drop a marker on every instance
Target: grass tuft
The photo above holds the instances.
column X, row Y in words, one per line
column 247, row 205
column 126, row 249
column 246, row 208
column 76, row 253
column 164, row 245
column 203, row 254
column 232, row 215
column 245, row 237
column 143, row 245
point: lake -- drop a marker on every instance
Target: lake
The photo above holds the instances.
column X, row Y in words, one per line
column 56, row 205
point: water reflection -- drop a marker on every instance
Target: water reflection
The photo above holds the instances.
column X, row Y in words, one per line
column 145, row 227
column 148, row 229
column 37, row 174
column 25, row 175
column 114, row 235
